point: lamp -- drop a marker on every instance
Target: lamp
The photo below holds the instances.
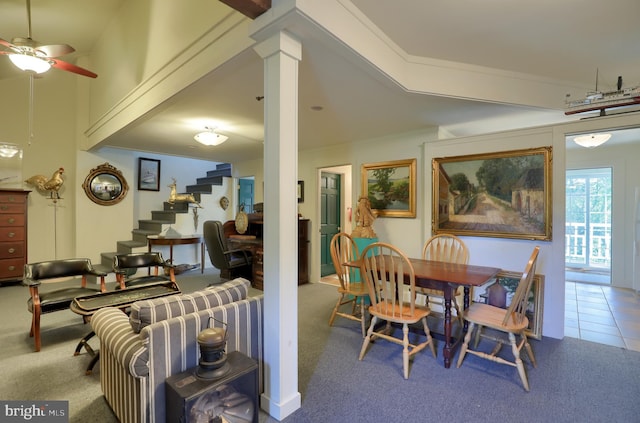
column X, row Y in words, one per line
column 8, row 150
column 27, row 62
column 591, row 140
column 210, row 137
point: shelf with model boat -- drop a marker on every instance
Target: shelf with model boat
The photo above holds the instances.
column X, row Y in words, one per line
column 602, row 100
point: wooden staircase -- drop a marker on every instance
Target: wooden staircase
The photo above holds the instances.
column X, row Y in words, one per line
column 166, row 216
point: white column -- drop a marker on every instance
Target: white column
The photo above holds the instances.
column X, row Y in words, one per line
column 281, row 54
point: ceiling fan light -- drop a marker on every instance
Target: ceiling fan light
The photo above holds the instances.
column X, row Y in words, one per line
column 8, row 150
column 30, row 63
column 591, row 140
column 210, row 137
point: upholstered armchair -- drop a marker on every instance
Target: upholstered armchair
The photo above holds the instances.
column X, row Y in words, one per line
column 49, row 300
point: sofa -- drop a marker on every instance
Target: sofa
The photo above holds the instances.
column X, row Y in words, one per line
column 139, row 351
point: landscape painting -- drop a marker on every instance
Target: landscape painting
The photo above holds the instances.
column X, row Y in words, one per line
column 505, row 195
column 391, row 187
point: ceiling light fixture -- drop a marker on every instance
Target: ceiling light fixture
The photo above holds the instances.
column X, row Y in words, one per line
column 30, row 63
column 210, row 137
column 591, row 140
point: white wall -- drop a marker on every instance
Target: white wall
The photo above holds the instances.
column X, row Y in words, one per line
column 108, row 224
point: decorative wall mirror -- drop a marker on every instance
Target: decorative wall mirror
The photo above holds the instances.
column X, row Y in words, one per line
column 105, row 185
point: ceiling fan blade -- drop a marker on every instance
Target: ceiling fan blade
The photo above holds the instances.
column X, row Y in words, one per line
column 55, row 50
column 8, row 45
column 71, row 68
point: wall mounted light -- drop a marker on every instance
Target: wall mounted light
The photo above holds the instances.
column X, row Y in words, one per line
column 591, row 140
column 30, row 63
column 210, row 137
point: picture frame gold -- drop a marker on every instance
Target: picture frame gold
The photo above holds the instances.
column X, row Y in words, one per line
column 503, row 195
column 105, row 185
column 391, row 187
column 509, row 281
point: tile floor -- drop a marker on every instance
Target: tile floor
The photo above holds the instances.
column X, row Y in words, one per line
column 600, row 313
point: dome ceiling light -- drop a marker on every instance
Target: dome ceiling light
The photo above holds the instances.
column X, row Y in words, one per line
column 210, row 137
column 591, row 140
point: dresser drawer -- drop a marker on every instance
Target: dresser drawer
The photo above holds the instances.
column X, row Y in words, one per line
column 11, row 208
column 11, row 234
column 11, row 268
column 9, row 197
column 12, row 219
column 11, row 249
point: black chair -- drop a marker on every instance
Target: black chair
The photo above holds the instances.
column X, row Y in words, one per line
column 231, row 263
column 57, row 299
column 126, row 265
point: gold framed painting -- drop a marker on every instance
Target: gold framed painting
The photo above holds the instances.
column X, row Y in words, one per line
column 391, row 187
column 504, row 195
column 502, row 288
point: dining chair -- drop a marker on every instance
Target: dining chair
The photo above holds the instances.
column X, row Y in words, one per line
column 448, row 248
column 512, row 321
column 352, row 289
column 391, row 283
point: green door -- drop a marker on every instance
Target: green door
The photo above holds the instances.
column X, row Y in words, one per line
column 329, row 218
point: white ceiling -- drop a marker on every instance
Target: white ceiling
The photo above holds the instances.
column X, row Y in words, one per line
column 563, row 41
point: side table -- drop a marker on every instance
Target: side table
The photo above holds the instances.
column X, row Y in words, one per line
column 183, row 240
column 87, row 305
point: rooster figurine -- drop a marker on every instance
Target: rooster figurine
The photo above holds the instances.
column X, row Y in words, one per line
column 51, row 185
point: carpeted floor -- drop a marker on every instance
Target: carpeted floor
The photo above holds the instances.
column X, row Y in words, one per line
column 575, row 381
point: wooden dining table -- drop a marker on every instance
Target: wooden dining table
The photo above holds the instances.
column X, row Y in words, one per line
column 448, row 277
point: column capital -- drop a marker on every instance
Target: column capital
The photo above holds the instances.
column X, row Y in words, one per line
column 280, row 42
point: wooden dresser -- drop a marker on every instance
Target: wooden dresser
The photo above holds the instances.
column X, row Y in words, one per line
column 13, row 234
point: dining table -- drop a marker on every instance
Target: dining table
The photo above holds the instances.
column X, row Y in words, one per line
column 448, row 277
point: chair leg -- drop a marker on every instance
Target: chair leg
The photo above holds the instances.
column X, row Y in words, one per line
column 427, row 332
column 405, row 350
column 363, row 318
column 335, row 310
column 35, row 329
column 518, row 361
column 477, row 338
column 528, row 350
column 465, row 344
column 367, row 339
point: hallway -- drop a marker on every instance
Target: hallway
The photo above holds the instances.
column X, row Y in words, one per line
column 602, row 314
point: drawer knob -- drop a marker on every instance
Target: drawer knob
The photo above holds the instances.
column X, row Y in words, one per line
column 12, row 268
column 11, row 234
column 4, row 207
column 12, row 220
column 12, row 250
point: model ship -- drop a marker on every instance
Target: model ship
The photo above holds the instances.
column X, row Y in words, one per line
column 602, row 100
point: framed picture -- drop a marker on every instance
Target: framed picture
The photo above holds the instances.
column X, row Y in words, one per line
column 504, row 195
column 391, row 187
column 502, row 293
column 148, row 174
column 300, row 191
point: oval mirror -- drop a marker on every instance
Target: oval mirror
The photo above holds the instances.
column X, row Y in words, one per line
column 105, row 185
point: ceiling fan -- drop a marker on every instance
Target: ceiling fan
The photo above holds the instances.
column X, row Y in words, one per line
column 31, row 56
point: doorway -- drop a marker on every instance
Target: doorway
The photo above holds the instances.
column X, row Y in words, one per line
column 334, row 200
column 246, row 193
column 588, row 225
